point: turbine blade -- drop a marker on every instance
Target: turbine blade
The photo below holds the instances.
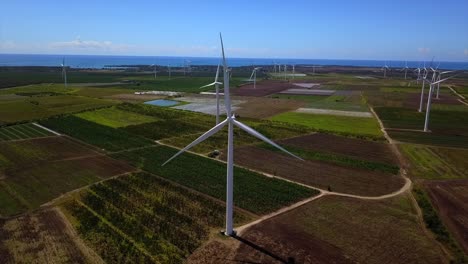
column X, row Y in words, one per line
column 200, row 139
column 443, row 80
column 256, row 134
column 217, row 74
column 222, row 49
column 208, row 85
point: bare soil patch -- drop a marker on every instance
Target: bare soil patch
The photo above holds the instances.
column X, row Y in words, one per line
column 318, row 174
column 368, row 150
column 131, row 98
column 257, row 107
column 42, row 237
column 451, row 200
column 413, row 99
column 262, row 88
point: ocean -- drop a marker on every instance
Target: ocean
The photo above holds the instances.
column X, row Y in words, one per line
column 103, row 61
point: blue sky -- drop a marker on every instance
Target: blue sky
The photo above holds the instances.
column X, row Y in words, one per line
column 332, row 29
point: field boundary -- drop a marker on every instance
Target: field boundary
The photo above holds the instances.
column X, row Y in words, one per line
column 47, row 129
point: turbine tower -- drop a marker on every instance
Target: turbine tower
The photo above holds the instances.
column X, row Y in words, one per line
column 254, row 75
column 154, row 70
column 429, row 99
column 385, row 68
column 438, row 79
column 422, row 88
column 405, row 68
column 64, row 73
column 216, row 84
column 231, row 122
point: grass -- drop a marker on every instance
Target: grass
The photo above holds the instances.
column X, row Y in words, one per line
column 143, row 218
column 254, row 192
column 115, row 118
column 351, row 102
column 392, row 230
column 27, row 108
column 360, row 127
column 433, row 223
column 101, row 92
column 105, row 137
column 436, row 162
column 22, row 131
column 341, row 160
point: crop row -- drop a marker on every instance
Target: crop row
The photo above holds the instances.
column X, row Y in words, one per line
column 102, row 136
column 337, row 159
column 22, row 131
column 253, row 192
column 160, row 220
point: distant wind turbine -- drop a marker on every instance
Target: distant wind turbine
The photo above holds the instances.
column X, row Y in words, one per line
column 429, row 100
column 216, row 84
column 438, row 79
column 231, row 122
column 154, row 71
column 405, row 68
column 385, row 68
column 64, row 73
column 422, row 88
column 254, row 76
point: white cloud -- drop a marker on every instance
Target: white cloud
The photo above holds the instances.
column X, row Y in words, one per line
column 79, row 45
column 424, row 50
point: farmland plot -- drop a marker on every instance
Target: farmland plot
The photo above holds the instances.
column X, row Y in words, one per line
column 115, row 118
column 143, row 218
column 254, row 192
column 22, row 131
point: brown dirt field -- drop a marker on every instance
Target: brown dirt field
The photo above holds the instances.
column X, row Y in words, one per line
column 132, row 98
column 367, row 150
column 451, row 201
column 257, row 107
column 331, row 230
column 43, row 237
column 413, row 99
column 318, row 174
column 263, row 88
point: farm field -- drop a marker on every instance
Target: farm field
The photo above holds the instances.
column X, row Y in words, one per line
column 330, row 230
column 451, row 202
column 357, row 148
column 260, row 107
column 319, row 174
column 115, row 118
column 434, row 163
column 254, row 192
column 341, row 100
column 263, row 88
column 34, row 172
column 22, row 131
column 42, row 237
column 354, row 126
column 142, row 218
column 104, row 137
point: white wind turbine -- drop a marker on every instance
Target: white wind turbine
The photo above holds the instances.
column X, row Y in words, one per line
column 438, row 79
column 64, row 73
column 254, row 75
column 429, row 99
column 154, row 70
column 422, row 88
column 231, row 122
column 385, row 68
column 216, row 84
column 405, row 68
column 294, row 71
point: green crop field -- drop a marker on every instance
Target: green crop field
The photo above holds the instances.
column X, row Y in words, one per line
column 105, row 137
column 115, row 118
column 141, row 218
column 22, row 131
column 338, row 159
column 436, row 162
column 254, row 192
column 351, row 102
column 33, row 172
column 101, row 92
column 361, row 127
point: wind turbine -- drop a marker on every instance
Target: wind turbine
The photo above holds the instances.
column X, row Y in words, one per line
column 405, row 68
column 419, row 73
column 154, row 65
column 231, row 122
column 438, row 79
column 422, row 88
column 169, row 69
column 428, row 107
column 294, row 71
column 254, row 75
column 216, row 84
column 385, row 68
column 64, row 72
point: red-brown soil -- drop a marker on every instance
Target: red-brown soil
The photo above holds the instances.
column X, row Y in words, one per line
column 262, row 88
column 318, row 174
column 451, row 200
column 259, row 107
column 413, row 99
column 39, row 238
column 363, row 149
